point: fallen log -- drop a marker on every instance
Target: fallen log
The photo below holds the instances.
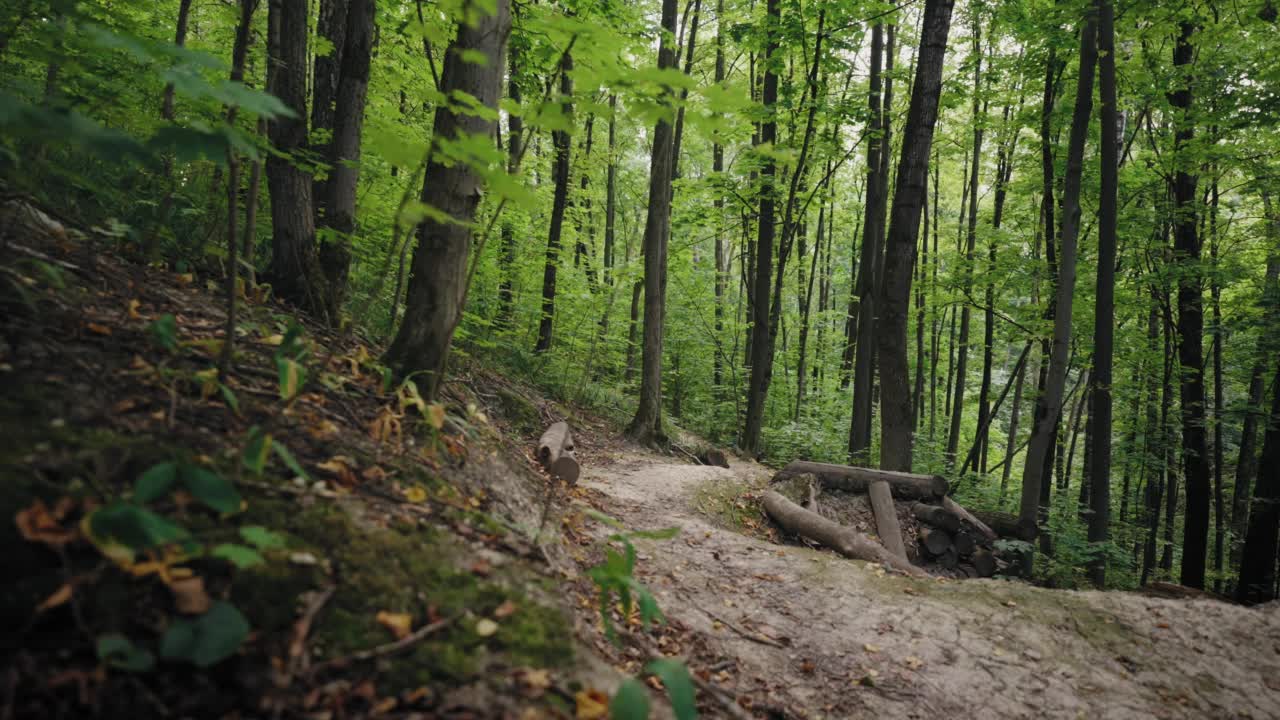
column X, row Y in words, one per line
column 886, row 514
column 970, row 519
column 556, row 452
column 937, row 516
column 965, row 544
column 844, row 540
column 949, row 559
column 984, row 562
column 1008, row 525
column 935, row 541
column 907, row 486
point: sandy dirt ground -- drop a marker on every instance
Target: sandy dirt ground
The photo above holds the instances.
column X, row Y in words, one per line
column 810, row 634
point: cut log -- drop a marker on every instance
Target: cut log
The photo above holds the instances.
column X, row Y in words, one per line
column 984, row 562
column 886, row 514
column 907, row 486
column 556, row 452
column 937, row 516
column 1008, row 525
column 949, row 559
column 970, row 519
column 714, row 457
column 844, row 540
column 935, row 541
column 965, row 544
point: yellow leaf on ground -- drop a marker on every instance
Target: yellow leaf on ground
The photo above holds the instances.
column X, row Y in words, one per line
column 133, row 309
column 99, row 329
column 486, row 627
column 400, row 624
column 415, row 494
column 591, row 704
column 273, row 339
column 871, row 648
column 435, row 416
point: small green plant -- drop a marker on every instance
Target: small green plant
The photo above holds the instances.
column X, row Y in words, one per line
column 164, row 332
column 143, row 542
column 615, row 579
column 289, row 358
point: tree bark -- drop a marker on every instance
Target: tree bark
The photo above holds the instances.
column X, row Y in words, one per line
column 1258, row 561
column 1104, row 307
column 904, row 225
column 437, row 285
column 886, row 515
column 559, row 202
column 515, row 142
column 762, row 344
column 1186, row 246
column 295, row 272
column 646, row 426
column 1049, row 403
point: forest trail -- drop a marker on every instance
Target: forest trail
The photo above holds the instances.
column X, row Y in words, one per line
column 806, row 633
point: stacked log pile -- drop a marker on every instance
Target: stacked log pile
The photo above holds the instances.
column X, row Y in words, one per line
column 903, row 520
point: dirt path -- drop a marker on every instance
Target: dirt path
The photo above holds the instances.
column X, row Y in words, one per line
column 813, row 635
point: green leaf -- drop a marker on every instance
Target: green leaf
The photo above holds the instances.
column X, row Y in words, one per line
column 211, row 489
column 118, row 651
column 134, row 526
column 156, row 482
column 630, row 702
column 232, row 401
column 164, row 332
column 605, row 519
column 663, row 534
column 291, row 374
column 238, row 555
column 675, row 676
column 254, row 457
column 262, row 538
column 289, row 461
column 208, row 639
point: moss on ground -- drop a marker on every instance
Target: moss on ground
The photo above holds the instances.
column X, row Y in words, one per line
column 730, row 503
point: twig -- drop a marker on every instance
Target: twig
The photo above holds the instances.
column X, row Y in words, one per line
column 298, row 658
column 695, row 458
column 752, row 636
column 383, row 650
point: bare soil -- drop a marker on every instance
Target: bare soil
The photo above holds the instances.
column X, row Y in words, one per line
column 804, row 633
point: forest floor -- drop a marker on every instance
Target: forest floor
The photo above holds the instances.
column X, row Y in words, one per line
column 403, row 519
column 806, row 633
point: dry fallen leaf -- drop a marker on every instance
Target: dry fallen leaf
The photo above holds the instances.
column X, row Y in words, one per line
column 913, row 662
column 592, row 704
column 133, row 309
column 189, row 596
column 400, row 624
column 871, row 648
column 533, row 683
column 273, row 339
column 506, row 609
column 415, row 494
column 37, row 524
column 486, row 627
column 98, row 329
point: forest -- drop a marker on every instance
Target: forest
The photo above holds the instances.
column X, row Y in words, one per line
column 1031, row 247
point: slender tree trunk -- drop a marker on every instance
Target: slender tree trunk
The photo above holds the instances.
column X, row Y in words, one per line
column 1104, row 308
column 646, row 427
column 1258, row 560
column 559, row 202
column 1011, row 443
column 962, row 351
column 1190, row 326
column 869, row 262
column 717, row 167
column 295, row 271
column 437, row 285
column 761, row 344
column 1049, row 402
column 904, row 224
column 515, row 140
column 179, row 40
column 1219, row 511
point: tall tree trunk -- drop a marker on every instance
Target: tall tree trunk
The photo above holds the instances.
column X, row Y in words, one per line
column 1104, row 308
column 962, row 350
column 1186, row 246
column 295, row 271
column 1219, row 511
column 869, row 263
column 1258, row 561
column 717, row 167
column 560, row 201
column 1247, row 465
column 1011, row 442
column 646, row 426
column 179, row 40
column 337, row 195
column 1049, row 403
column 904, row 224
column 515, row 141
column 438, row 283
column 761, row 344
